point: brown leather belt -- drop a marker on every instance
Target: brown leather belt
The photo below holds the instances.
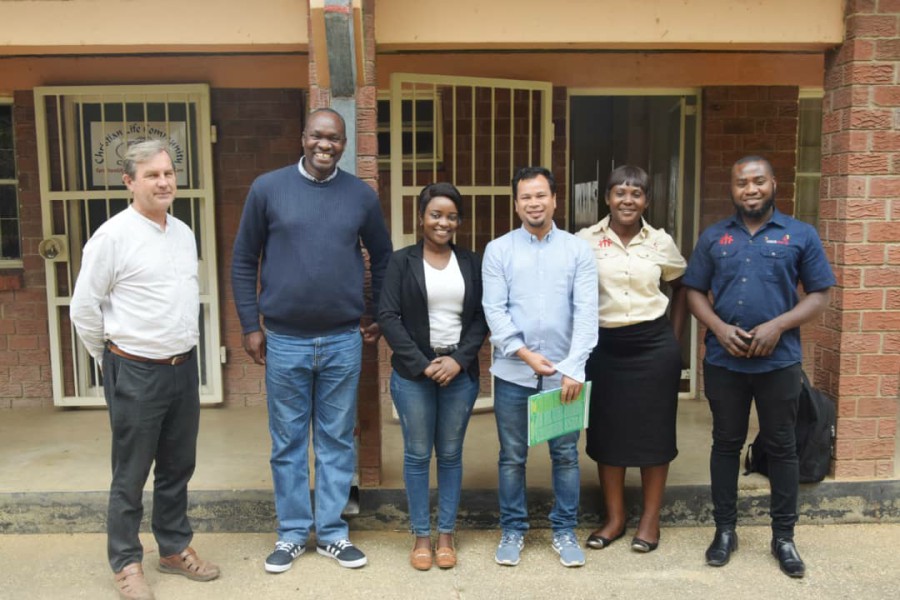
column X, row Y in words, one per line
column 173, row 360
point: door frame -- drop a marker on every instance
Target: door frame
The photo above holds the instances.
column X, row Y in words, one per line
column 199, row 96
column 691, row 371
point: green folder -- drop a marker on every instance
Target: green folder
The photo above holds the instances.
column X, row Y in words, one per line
column 548, row 417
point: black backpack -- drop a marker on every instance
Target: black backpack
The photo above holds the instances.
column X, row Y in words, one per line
column 815, row 437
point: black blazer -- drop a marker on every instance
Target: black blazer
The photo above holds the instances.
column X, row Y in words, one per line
column 403, row 313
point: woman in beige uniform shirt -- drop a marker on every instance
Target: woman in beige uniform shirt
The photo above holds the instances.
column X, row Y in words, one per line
column 636, row 366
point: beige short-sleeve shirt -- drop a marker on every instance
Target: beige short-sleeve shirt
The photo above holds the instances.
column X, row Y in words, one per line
column 629, row 276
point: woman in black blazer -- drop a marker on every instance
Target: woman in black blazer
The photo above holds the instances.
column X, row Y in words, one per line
column 430, row 314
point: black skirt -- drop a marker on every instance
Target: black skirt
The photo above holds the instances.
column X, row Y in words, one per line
column 635, row 372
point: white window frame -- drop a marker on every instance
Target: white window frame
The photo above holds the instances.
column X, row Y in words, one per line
column 436, row 155
column 13, row 263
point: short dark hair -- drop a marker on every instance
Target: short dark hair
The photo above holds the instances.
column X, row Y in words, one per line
column 629, row 175
column 526, row 173
column 439, row 189
column 754, row 158
column 330, row 111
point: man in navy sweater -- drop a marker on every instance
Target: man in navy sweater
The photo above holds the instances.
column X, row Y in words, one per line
column 300, row 235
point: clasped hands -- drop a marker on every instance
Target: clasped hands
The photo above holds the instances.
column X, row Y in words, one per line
column 759, row 341
column 442, row 370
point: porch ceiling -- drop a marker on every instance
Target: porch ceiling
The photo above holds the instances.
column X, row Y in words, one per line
column 609, row 24
column 113, row 26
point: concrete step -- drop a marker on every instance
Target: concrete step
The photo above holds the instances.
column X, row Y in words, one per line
column 385, row 509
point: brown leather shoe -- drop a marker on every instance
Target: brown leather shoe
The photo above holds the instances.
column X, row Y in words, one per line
column 445, row 557
column 131, row 583
column 420, row 559
column 190, row 565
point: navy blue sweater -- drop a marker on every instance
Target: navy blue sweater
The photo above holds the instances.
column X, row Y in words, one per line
column 307, row 235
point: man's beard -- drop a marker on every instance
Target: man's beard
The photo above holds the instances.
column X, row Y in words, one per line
column 757, row 213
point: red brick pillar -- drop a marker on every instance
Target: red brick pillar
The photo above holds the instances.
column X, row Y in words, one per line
column 860, row 224
column 320, row 95
column 367, row 170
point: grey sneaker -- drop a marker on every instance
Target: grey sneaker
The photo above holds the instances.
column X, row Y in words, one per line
column 511, row 544
column 344, row 552
column 570, row 553
column 283, row 557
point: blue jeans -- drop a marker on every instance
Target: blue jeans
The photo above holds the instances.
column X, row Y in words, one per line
column 312, row 379
column 436, row 417
column 511, row 410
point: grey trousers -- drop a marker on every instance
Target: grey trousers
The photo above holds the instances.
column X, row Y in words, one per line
column 154, row 414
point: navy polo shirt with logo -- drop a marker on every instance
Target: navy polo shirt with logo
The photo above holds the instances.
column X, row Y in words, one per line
column 753, row 279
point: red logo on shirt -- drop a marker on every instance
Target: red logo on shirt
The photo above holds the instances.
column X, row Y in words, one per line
column 605, row 243
column 725, row 239
column 784, row 241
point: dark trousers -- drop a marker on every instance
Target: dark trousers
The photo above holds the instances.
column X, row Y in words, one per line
column 154, row 413
column 777, row 395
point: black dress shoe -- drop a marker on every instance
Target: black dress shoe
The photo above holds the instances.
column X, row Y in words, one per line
column 788, row 558
column 719, row 552
column 598, row 542
column 639, row 545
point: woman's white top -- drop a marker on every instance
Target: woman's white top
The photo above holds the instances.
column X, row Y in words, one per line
column 446, row 291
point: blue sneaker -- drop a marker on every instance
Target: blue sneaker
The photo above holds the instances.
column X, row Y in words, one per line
column 511, row 544
column 283, row 557
column 346, row 554
column 566, row 545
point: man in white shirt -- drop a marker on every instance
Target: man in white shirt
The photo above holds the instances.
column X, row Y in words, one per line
column 136, row 308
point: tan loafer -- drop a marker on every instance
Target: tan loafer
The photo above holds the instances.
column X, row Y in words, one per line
column 445, row 557
column 190, row 565
column 420, row 559
column 131, row 583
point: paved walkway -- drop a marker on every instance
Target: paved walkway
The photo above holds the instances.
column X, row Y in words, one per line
column 843, row 561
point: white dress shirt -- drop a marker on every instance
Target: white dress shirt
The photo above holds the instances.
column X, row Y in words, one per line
column 138, row 287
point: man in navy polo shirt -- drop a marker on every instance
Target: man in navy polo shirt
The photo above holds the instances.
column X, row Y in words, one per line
column 752, row 262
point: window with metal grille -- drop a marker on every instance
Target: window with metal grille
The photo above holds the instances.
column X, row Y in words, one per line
column 421, row 128
column 10, row 245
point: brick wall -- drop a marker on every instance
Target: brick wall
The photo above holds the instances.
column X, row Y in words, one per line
column 258, row 131
column 860, row 224
column 738, row 121
column 25, row 380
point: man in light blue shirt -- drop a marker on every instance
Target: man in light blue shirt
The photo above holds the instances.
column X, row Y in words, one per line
column 540, row 300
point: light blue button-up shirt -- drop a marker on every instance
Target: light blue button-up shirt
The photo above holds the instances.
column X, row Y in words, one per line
column 541, row 294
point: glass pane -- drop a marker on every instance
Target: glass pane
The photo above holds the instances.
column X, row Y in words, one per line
column 807, row 208
column 384, row 112
column 9, row 239
column 810, row 121
column 809, row 152
column 7, row 164
column 425, row 143
column 6, row 131
column 384, row 144
column 809, row 159
column 424, row 111
column 7, row 156
column 8, row 208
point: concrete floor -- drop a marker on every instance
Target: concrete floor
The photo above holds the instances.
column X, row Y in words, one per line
column 68, row 450
column 843, row 561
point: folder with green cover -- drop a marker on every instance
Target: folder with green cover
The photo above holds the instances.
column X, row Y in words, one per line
column 548, row 417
